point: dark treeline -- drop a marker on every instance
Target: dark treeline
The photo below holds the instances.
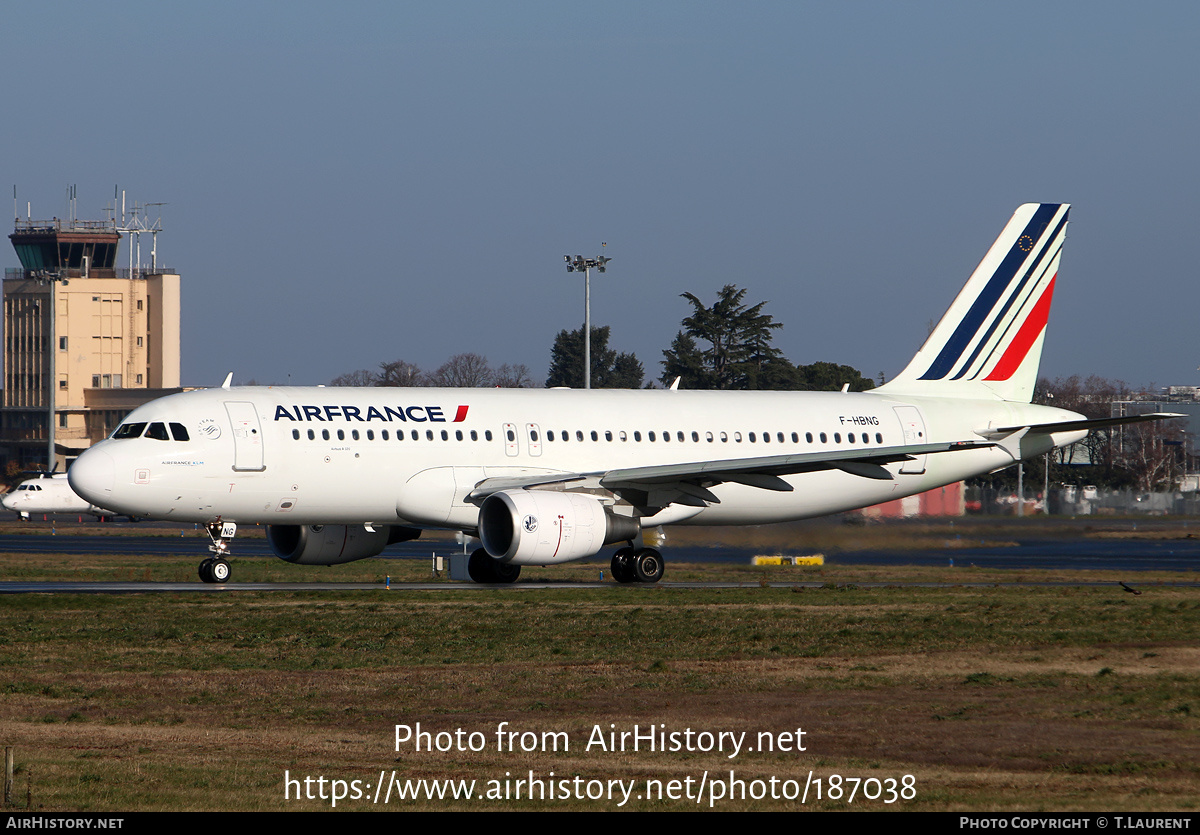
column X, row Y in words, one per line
column 727, row 345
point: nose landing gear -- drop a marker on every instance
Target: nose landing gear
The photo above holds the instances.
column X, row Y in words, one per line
column 216, row 569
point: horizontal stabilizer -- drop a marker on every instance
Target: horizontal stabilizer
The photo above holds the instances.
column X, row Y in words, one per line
column 1075, row 425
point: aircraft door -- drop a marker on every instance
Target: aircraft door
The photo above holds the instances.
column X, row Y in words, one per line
column 913, row 426
column 533, row 436
column 511, row 444
column 247, row 437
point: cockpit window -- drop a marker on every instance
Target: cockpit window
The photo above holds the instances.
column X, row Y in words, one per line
column 180, row 432
column 158, row 431
column 129, row 430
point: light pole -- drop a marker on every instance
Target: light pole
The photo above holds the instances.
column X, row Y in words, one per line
column 584, row 265
column 53, row 278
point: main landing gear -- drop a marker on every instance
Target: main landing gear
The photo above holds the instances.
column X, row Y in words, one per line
column 637, row 565
column 215, row 569
column 484, row 569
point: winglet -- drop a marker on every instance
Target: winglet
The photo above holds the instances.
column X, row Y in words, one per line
column 675, row 384
column 228, row 380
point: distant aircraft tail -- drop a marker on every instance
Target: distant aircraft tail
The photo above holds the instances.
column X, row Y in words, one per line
column 989, row 343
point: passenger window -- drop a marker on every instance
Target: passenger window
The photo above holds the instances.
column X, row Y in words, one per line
column 458, row 434
column 445, row 435
column 158, row 431
column 312, row 435
column 341, row 435
column 607, row 435
column 824, row 439
column 837, row 437
column 295, row 434
column 695, row 437
column 325, row 434
column 180, row 432
column 878, row 438
column 474, row 435
column 751, row 437
column 354, row 434
column 370, row 434
column 487, row 434
column 679, row 437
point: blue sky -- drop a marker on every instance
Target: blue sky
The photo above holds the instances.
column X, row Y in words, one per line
column 366, row 182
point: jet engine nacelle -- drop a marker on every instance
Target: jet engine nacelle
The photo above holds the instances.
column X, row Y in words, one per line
column 333, row 544
column 536, row 527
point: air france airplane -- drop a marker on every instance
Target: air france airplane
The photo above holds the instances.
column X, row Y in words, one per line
column 48, row 494
column 548, row 476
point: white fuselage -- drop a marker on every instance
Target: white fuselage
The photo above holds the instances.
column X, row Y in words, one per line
column 305, row 456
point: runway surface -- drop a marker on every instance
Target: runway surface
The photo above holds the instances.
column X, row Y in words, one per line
column 1062, row 553
column 1068, row 553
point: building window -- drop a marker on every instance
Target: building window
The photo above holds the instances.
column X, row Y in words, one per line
column 139, row 379
column 62, row 343
column 139, row 342
column 139, row 304
column 62, row 420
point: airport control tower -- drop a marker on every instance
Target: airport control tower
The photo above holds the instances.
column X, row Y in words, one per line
column 85, row 340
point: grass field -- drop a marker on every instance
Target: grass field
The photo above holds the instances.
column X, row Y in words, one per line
column 1005, row 698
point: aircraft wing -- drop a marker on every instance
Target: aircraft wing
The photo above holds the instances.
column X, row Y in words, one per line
column 688, row 483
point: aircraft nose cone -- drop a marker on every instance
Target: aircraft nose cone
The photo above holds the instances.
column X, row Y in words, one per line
column 92, row 476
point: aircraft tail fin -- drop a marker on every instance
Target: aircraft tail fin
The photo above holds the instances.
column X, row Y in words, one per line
column 989, row 343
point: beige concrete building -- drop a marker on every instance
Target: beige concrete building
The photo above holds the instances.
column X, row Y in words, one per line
column 112, row 345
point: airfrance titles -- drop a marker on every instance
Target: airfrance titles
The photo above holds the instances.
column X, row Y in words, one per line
column 386, row 414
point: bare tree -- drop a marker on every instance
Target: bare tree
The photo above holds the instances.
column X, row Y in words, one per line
column 1151, row 452
column 463, row 371
column 362, row 377
column 513, row 377
column 400, row 373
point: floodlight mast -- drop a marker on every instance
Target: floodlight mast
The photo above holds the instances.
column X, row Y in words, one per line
column 584, row 265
